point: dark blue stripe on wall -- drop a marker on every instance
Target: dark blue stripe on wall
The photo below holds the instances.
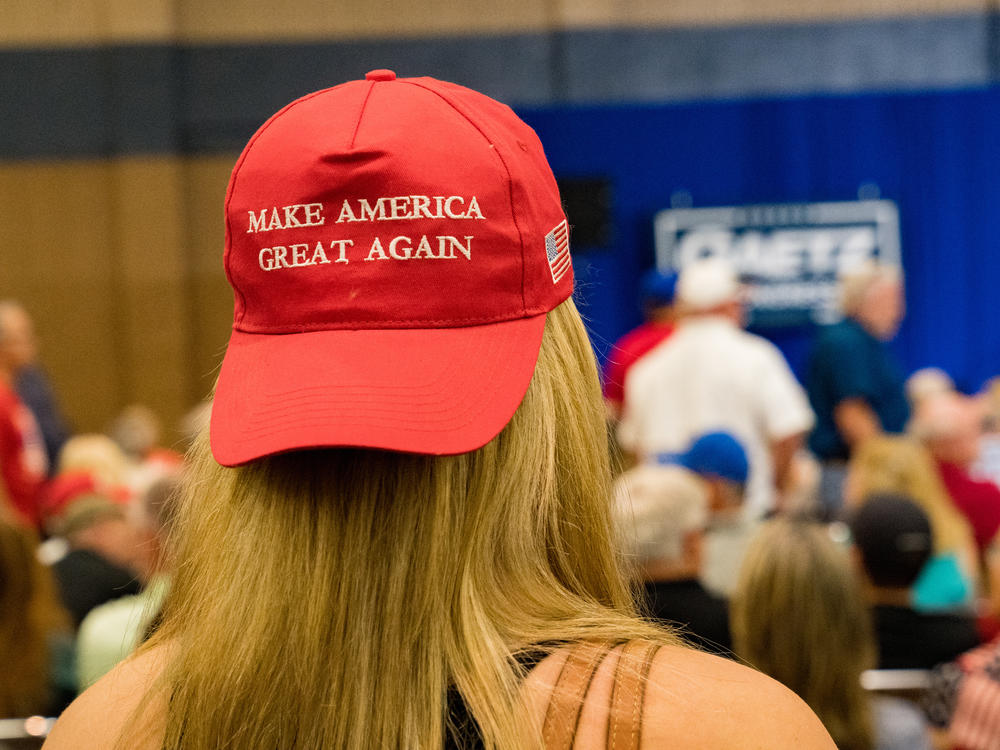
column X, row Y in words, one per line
column 87, row 102
column 788, row 59
column 230, row 90
column 162, row 98
column 194, row 98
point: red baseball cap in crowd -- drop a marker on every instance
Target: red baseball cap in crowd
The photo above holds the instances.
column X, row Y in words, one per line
column 393, row 246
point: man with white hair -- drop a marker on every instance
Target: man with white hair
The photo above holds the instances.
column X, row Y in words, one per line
column 111, row 631
column 712, row 375
column 949, row 425
column 662, row 512
column 854, row 383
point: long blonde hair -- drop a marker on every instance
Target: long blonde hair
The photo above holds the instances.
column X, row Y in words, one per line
column 30, row 616
column 798, row 615
column 332, row 598
column 900, row 464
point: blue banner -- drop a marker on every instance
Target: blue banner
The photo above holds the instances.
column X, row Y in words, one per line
column 936, row 156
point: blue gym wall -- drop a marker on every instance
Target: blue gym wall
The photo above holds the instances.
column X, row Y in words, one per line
column 936, row 154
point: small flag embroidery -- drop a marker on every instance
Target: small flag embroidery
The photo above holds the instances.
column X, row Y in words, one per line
column 557, row 250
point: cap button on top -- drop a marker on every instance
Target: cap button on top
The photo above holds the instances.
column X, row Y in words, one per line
column 380, row 75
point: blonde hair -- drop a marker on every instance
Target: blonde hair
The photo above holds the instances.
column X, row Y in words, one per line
column 29, row 615
column 332, row 598
column 901, row 465
column 656, row 506
column 797, row 615
column 96, row 455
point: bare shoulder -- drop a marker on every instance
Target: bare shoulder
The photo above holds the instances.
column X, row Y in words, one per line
column 692, row 701
column 695, row 700
column 97, row 717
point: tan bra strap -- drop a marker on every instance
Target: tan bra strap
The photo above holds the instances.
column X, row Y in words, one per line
column 625, row 719
column 567, row 698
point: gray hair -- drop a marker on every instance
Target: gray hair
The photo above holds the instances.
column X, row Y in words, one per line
column 656, row 507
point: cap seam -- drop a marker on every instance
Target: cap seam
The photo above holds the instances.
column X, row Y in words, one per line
column 236, row 171
column 510, row 180
column 361, row 114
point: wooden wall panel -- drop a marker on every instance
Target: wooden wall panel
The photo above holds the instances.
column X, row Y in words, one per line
column 60, row 22
column 601, row 13
column 98, row 253
column 150, row 270
column 73, row 22
column 58, row 260
column 317, row 19
column 211, row 300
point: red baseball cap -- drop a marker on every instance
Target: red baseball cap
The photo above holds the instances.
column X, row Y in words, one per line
column 393, row 246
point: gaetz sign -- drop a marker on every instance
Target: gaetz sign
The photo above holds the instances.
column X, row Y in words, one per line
column 789, row 253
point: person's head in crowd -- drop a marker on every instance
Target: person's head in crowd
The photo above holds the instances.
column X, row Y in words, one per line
column 926, row 383
column 872, row 294
column 950, row 425
column 136, row 430
column 30, row 615
column 96, row 455
column 798, row 615
column 657, row 291
column 98, row 522
column 18, row 346
column 710, row 286
column 893, row 540
column 901, row 465
column 662, row 512
column 720, row 460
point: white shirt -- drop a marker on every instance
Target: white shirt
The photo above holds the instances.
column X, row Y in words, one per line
column 711, row 375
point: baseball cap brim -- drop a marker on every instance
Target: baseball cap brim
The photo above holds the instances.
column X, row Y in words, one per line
column 438, row 391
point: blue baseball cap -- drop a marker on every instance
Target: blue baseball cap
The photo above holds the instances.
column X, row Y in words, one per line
column 713, row 454
column 658, row 287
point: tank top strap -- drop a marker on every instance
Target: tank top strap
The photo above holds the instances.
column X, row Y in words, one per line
column 570, row 691
column 628, row 695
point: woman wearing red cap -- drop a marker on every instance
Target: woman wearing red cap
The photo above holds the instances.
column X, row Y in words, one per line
column 398, row 532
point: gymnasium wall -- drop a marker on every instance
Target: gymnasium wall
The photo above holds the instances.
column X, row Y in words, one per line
column 120, row 121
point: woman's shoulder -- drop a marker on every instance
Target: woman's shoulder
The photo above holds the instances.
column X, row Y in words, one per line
column 98, row 716
column 692, row 700
column 698, row 700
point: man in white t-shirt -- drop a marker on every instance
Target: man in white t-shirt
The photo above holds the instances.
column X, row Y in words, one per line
column 713, row 375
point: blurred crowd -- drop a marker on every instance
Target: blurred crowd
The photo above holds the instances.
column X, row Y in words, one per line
column 84, row 569
column 838, row 533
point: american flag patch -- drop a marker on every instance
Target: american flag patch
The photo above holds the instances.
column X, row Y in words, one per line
column 557, row 251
